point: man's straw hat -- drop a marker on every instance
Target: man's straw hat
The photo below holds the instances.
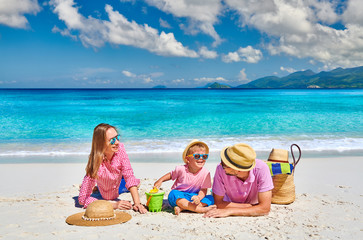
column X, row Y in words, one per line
column 240, row 157
column 98, row 213
column 192, row 143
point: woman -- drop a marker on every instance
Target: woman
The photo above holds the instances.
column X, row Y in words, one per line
column 107, row 164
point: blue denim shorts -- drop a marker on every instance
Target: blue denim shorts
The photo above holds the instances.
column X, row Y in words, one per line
column 176, row 194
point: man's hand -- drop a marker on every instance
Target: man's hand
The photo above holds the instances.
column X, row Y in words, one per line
column 218, row 213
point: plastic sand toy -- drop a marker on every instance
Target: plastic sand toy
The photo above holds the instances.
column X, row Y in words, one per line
column 154, row 200
column 154, row 190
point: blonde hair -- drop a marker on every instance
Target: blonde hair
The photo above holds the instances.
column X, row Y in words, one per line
column 99, row 145
column 194, row 148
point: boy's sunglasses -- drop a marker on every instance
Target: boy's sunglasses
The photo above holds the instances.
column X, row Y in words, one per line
column 197, row 156
column 113, row 140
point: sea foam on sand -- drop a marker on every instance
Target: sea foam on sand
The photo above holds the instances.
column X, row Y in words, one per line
column 35, row 200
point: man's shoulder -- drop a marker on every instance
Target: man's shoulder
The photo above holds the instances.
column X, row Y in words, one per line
column 261, row 165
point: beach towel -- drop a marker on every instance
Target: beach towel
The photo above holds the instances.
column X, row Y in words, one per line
column 280, row 168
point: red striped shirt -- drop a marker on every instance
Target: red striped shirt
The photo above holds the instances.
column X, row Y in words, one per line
column 109, row 177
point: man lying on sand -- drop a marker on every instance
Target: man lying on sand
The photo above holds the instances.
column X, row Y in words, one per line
column 242, row 184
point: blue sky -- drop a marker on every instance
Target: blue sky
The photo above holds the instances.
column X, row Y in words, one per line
column 176, row 43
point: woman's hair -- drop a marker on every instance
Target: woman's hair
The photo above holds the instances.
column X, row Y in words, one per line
column 99, row 145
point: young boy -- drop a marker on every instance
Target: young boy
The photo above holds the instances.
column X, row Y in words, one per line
column 189, row 191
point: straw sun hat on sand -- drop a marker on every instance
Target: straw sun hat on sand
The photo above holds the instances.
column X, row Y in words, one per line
column 98, row 213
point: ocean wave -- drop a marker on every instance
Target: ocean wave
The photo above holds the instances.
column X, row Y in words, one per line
column 260, row 144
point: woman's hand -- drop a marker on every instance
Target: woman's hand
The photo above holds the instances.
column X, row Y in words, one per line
column 122, row 205
column 139, row 208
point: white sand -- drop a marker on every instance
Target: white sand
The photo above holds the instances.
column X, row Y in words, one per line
column 35, row 200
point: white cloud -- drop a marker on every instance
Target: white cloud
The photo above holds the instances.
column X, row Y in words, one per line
column 242, row 76
column 118, row 30
column 207, row 79
column 92, row 73
column 64, row 32
column 289, row 70
column 8, row 82
column 178, row 81
column 164, row 23
column 272, row 16
column 12, row 12
column 204, row 52
column 128, row 74
column 353, row 13
column 324, row 11
column 300, row 30
column 100, row 82
column 247, row 54
column 148, row 80
column 145, row 78
column 202, row 15
column 156, row 74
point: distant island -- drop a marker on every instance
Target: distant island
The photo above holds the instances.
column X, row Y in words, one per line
column 216, row 85
column 160, row 86
column 337, row 78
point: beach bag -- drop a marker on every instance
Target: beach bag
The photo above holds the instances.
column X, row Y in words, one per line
column 282, row 172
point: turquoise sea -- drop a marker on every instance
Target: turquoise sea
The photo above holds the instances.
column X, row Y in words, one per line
column 59, row 122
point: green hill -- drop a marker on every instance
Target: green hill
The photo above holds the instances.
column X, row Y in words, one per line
column 216, row 85
column 337, row 78
column 159, row 86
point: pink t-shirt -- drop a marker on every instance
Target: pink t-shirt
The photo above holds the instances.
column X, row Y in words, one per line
column 190, row 182
column 235, row 190
column 109, row 178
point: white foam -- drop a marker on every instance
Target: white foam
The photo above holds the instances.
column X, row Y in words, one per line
column 259, row 143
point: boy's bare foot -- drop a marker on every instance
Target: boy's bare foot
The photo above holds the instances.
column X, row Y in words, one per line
column 177, row 210
column 206, row 209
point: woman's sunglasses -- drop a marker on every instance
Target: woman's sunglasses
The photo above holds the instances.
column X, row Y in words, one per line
column 113, row 140
column 197, row 156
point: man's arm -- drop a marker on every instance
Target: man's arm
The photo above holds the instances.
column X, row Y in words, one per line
column 218, row 201
column 225, row 209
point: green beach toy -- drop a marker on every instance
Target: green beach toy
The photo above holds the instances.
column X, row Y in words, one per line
column 154, row 201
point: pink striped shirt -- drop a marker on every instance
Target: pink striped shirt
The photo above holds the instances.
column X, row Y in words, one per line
column 109, row 177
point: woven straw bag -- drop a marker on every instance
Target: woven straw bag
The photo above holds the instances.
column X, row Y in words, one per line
column 284, row 187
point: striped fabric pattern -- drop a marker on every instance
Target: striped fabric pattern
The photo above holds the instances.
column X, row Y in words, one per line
column 280, row 168
column 109, row 177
